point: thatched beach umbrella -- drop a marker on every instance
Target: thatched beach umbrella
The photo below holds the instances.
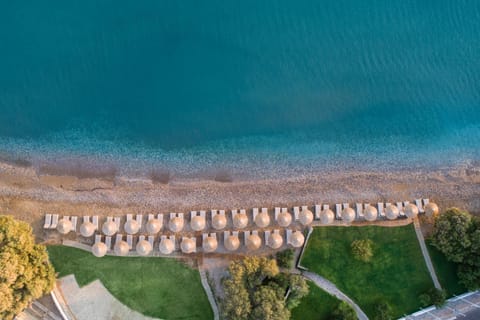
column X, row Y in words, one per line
column 166, row 246
column 348, row 215
column 431, row 209
column 219, row 221
column 210, row 244
column 254, row 242
column 262, row 220
column 143, row 247
column 175, row 224
column 87, row 229
column 64, row 226
column 391, row 212
column 109, row 228
column 305, row 217
column 131, row 226
column 284, row 219
column 232, row 243
column 99, row 249
column 240, row 221
column 370, row 213
column 327, row 216
column 411, row 210
column 121, row 248
column 154, row 226
column 197, row 223
column 297, row 239
column 188, row 245
column 275, row 241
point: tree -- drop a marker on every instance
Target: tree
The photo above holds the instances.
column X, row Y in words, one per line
column 26, row 274
column 285, row 258
column 344, row 312
column 450, row 234
column 298, row 289
column 438, row 297
column 269, row 304
column 383, row 311
column 362, row 250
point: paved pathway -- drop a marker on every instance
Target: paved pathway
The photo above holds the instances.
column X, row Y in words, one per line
column 333, row 290
column 426, row 255
column 208, row 291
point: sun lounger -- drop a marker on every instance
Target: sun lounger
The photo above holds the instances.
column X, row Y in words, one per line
column 54, row 221
column 405, row 203
column 202, row 213
column 418, row 203
column 296, row 212
column 254, row 212
column 140, row 219
column 222, row 212
column 338, row 211
column 74, row 223
column 234, row 213
column 95, row 222
column 129, row 217
column 318, row 209
column 381, row 213
column 109, row 219
column 425, row 202
column 160, row 217
column 289, row 234
column 265, row 210
column 326, row 207
column 284, row 210
column 359, row 210
column 180, row 215
column 86, row 219
column 193, row 214
column 130, row 241
column 98, row 238
column 276, row 212
column 150, row 217
column 108, row 242
column 400, row 209
column 48, row 221
column 243, row 211
column 118, row 238
column 267, row 235
column 246, row 234
column 151, row 239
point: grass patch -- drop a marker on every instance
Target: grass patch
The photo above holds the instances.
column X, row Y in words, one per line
column 396, row 273
column 317, row 305
column 446, row 272
column 156, row 287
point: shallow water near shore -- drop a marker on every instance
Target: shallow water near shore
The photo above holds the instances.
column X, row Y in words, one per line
column 252, row 89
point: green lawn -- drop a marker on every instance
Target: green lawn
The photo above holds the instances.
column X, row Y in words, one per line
column 157, row 287
column 317, row 305
column 397, row 272
column 446, row 272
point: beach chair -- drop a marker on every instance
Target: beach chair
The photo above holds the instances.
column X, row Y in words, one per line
column 296, row 212
column 151, row 240
column 180, row 215
column 98, row 238
column 74, row 223
column 289, row 234
column 276, row 212
column 381, row 213
column 202, row 213
column 243, row 211
column 400, row 209
column 140, row 220
column 118, row 238
column 418, row 203
column 338, row 211
column 266, row 234
column 48, row 221
column 234, row 213
column 405, row 203
column 150, row 217
column 425, row 202
column 95, row 222
column 193, row 214
column 54, row 221
column 359, row 210
column 160, row 217
column 326, row 207
column 265, row 210
column 129, row 217
column 130, row 241
column 222, row 212
column 318, row 209
column 254, row 212
column 246, row 234
column 86, row 219
column 108, row 242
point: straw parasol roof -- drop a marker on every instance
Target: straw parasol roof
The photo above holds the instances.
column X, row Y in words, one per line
column 131, row 226
column 188, row 245
column 121, row 248
column 254, row 242
column 219, row 221
column 262, row 220
column 240, row 221
column 210, row 244
column 109, row 228
column 154, row 226
column 198, row 223
column 275, row 241
column 175, row 224
column 348, row 215
column 431, row 209
column 305, row 217
column 87, row 229
column 327, row 216
column 284, row 219
column 64, row 226
column 297, row 239
column 232, row 243
column 99, row 249
column 166, row 246
column 411, row 210
column 143, row 247
column 370, row 213
column 391, row 212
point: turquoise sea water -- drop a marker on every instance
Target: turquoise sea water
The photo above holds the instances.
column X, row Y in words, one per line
column 247, row 86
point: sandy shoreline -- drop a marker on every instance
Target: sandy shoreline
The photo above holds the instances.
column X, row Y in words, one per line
column 27, row 194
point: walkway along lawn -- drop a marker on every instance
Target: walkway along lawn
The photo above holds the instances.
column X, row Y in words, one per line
column 317, row 305
column 397, row 272
column 157, row 287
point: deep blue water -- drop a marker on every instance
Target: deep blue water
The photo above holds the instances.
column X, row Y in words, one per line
column 193, row 85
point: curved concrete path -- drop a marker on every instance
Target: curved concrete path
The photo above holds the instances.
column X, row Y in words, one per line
column 333, row 290
column 426, row 255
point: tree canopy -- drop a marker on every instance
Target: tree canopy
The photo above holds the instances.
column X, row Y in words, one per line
column 362, row 249
column 344, row 312
column 255, row 289
column 26, row 273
